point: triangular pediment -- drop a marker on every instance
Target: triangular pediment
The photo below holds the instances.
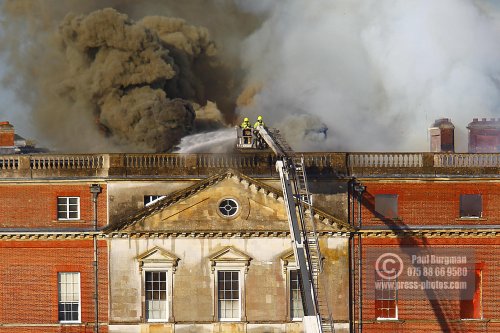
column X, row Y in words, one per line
column 229, row 256
column 288, row 257
column 207, row 207
column 288, row 260
column 157, row 255
column 229, row 253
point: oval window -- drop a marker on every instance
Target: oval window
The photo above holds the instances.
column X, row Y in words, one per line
column 228, row 207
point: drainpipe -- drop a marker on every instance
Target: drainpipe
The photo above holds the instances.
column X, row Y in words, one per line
column 95, row 189
column 352, row 288
column 359, row 190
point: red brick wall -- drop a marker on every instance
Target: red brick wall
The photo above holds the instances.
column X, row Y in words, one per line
column 35, row 205
column 431, row 203
column 29, row 283
column 6, row 139
column 443, row 315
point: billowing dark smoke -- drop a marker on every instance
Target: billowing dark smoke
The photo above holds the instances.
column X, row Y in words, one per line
column 124, row 72
column 103, row 81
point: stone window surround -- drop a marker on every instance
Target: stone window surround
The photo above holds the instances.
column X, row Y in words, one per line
column 168, row 264
column 288, row 264
column 238, row 262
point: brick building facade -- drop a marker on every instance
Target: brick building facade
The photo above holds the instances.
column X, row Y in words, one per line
column 450, row 208
column 160, row 223
column 46, row 237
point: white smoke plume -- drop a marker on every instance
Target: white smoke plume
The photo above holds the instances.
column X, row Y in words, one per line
column 376, row 72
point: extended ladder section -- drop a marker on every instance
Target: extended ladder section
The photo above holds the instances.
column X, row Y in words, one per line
column 298, row 202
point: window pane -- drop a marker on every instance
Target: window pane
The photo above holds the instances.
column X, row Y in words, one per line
column 68, row 208
column 471, row 205
column 386, row 300
column 296, row 307
column 228, row 292
column 69, row 296
column 156, row 295
column 386, row 205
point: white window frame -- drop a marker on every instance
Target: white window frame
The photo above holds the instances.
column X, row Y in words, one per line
column 396, row 308
column 289, row 264
column 238, row 271
column 152, row 199
column 67, row 205
column 230, row 259
column 289, row 293
column 158, row 260
column 79, row 298
column 462, row 196
column 230, row 202
column 167, row 308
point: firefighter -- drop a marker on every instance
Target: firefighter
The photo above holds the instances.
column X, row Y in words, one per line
column 259, row 122
column 245, row 124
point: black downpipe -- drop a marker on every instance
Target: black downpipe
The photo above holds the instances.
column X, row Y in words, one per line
column 359, row 190
column 352, row 289
column 95, row 189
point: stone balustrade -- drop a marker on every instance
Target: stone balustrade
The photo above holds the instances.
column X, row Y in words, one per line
column 259, row 164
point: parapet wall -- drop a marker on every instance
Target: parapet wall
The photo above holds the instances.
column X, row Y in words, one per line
column 330, row 165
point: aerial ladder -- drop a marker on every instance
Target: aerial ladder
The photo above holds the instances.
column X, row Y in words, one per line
column 298, row 201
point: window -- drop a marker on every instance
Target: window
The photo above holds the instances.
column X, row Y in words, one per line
column 471, row 205
column 296, row 306
column 229, row 269
column 68, row 208
column 151, row 199
column 156, row 296
column 386, row 205
column 157, row 267
column 228, row 207
column 386, row 299
column 472, row 308
column 228, row 289
column 69, row 297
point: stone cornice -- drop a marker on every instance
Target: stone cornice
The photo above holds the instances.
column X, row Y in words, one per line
column 431, row 233
column 50, row 235
column 414, row 233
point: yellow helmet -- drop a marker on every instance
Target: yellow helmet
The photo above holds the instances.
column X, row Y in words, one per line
column 246, row 119
column 259, row 118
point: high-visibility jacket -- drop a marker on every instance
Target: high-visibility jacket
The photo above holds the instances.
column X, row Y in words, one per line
column 245, row 124
column 259, row 123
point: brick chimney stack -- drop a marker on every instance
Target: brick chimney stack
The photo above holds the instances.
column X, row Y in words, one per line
column 484, row 136
column 442, row 136
column 6, row 134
